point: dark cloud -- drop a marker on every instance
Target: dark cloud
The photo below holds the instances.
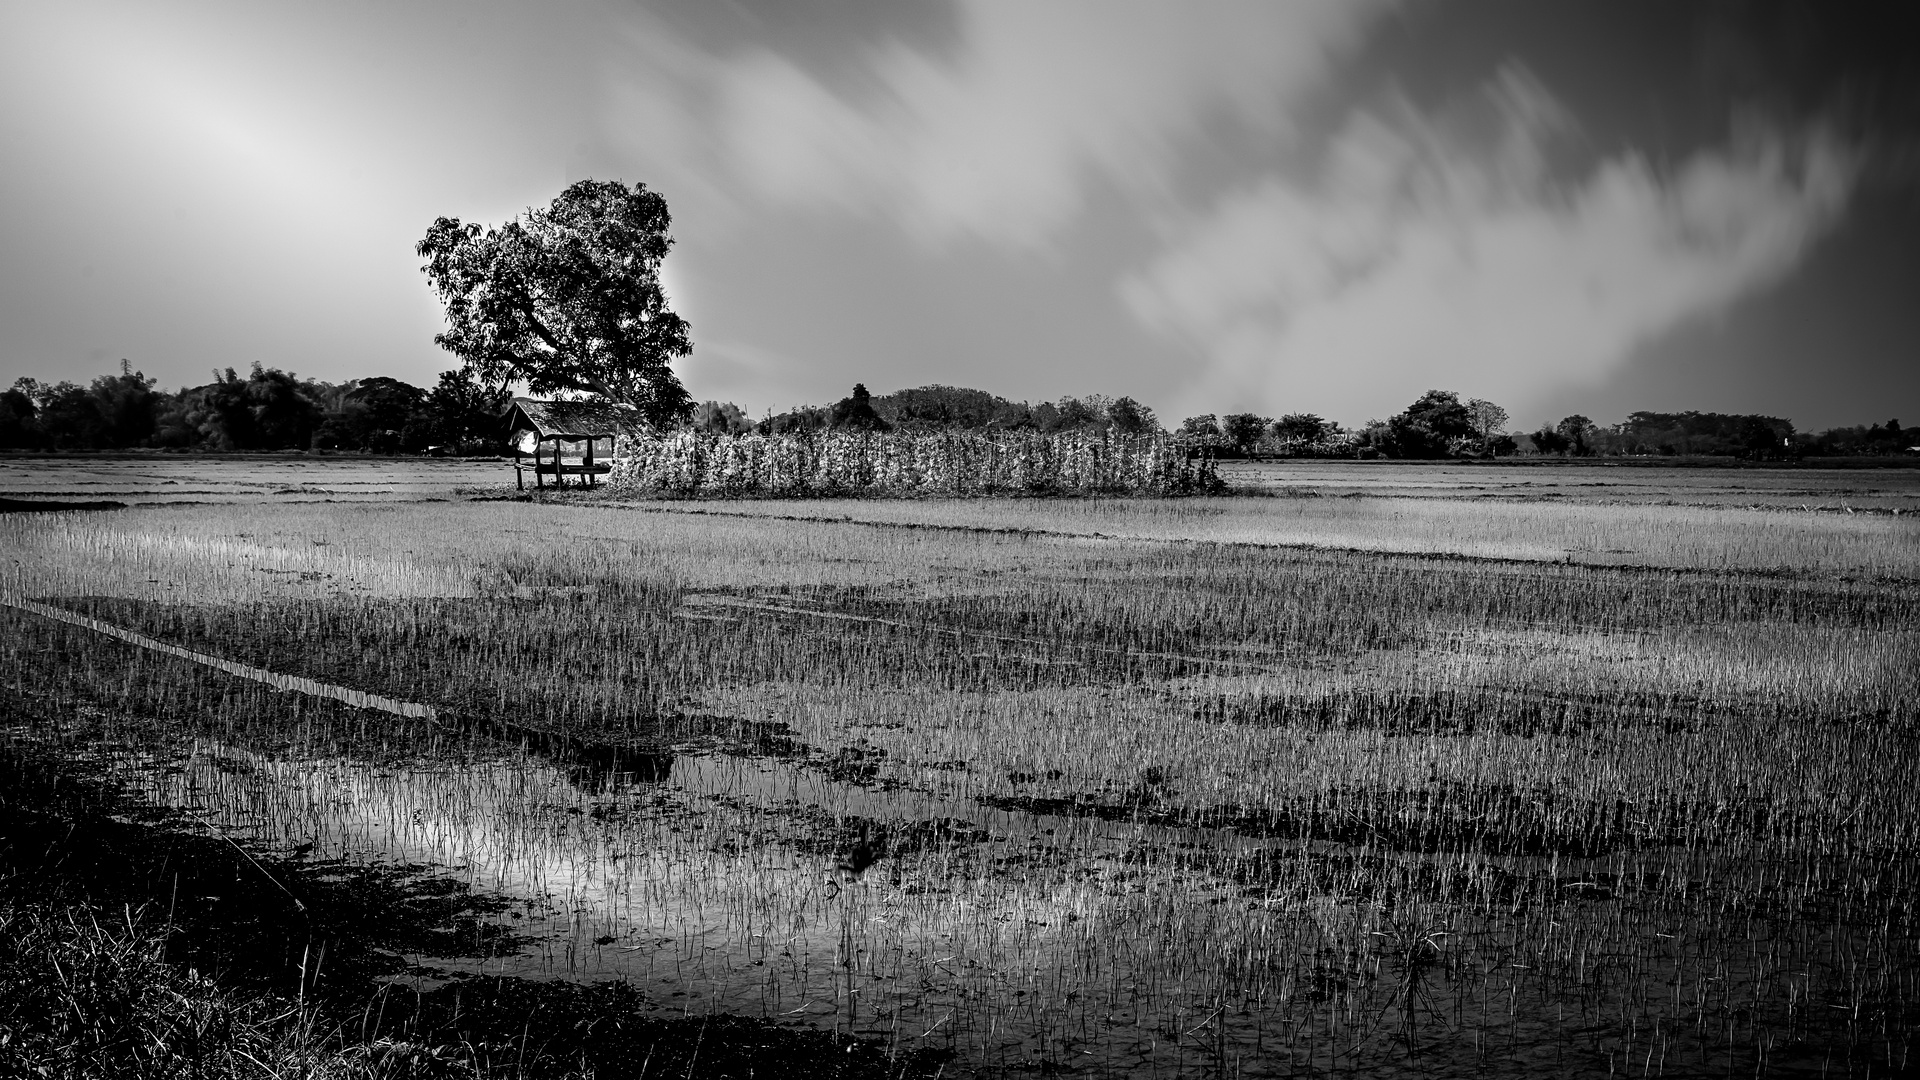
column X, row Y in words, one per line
column 1668, row 77
column 1854, row 67
column 1856, row 62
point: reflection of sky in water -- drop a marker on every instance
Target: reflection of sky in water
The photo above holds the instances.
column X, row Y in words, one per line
column 695, row 888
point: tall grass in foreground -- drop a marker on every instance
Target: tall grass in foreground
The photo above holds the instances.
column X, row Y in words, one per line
column 86, row 993
column 896, row 464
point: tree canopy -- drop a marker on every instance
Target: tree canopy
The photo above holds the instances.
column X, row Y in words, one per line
column 855, row 412
column 1432, row 426
column 1243, row 430
column 1302, row 427
column 566, row 298
column 1130, row 417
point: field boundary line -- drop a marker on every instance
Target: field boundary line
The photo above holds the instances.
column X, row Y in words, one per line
column 313, row 687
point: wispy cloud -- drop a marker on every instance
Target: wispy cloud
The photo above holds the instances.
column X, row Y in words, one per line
column 999, row 140
column 1439, row 249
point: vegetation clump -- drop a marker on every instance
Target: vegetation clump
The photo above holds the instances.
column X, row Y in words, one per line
column 88, row 993
column 853, row 462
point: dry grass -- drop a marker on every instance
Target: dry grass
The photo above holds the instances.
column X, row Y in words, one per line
column 85, row 993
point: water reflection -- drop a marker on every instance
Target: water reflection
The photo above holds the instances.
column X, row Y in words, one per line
column 710, row 880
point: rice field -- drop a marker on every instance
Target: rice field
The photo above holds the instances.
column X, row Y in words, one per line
column 1240, row 786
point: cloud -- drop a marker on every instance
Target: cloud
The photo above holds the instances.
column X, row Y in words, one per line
column 1439, row 250
column 999, row 138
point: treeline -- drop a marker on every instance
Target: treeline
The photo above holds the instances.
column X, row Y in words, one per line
column 934, row 408
column 1438, row 424
column 1705, row 434
column 267, row 409
column 1442, row 425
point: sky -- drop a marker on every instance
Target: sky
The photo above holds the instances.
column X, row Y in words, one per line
column 1273, row 206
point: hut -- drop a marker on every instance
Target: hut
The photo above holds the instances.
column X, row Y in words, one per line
column 565, row 438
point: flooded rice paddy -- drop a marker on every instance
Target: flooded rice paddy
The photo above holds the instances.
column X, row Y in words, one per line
column 1001, row 805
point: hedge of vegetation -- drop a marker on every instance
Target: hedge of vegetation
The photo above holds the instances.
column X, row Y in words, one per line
column 895, row 464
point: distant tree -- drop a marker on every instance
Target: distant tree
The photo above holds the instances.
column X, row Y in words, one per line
column 1489, row 424
column 1206, row 425
column 466, row 416
column 267, row 410
column 1549, row 441
column 19, row 430
column 176, row 420
column 69, row 418
column 567, row 298
column 1301, row 427
column 1434, row 426
column 380, row 414
column 1244, row 429
column 126, row 404
column 1079, row 414
column 1376, row 439
column 115, row 412
column 1129, row 417
column 855, row 412
column 1767, row 438
column 795, row 420
column 1575, row 431
column 719, row 418
column 951, row 408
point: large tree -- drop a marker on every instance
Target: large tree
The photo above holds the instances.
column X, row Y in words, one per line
column 567, row 298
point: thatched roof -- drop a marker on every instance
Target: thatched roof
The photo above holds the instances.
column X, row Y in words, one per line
column 571, row 419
